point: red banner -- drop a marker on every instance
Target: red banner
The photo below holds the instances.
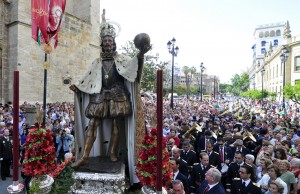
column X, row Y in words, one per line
column 46, row 16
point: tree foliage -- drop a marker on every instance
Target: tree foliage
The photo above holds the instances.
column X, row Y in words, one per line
column 292, row 92
column 224, row 88
column 257, row 94
column 188, row 72
column 239, row 84
column 148, row 82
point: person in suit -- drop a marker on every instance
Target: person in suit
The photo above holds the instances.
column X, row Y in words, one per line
column 233, row 169
column 238, row 146
column 5, row 154
column 211, row 184
column 187, row 154
column 177, row 175
column 225, row 152
column 201, row 144
column 244, row 184
column 225, row 157
column 214, row 157
column 199, row 170
column 183, row 167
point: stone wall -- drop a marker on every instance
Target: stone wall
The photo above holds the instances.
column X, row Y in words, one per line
column 4, row 50
column 77, row 48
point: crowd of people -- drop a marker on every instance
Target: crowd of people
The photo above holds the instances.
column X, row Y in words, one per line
column 232, row 145
column 60, row 120
column 216, row 146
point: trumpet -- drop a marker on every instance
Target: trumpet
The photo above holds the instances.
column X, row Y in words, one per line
column 248, row 134
column 194, row 128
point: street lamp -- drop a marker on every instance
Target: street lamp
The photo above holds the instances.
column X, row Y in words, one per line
column 174, row 51
column 262, row 85
column 284, row 55
column 202, row 68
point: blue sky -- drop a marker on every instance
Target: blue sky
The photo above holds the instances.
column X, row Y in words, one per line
column 218, row 33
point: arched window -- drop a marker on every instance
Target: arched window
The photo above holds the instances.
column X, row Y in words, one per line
column 266, row 33
column 278, row 33
column 261, row 35
column 272, row 33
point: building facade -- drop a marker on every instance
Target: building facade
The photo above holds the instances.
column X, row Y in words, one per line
column 278, row 72
column 267, row 37
column 78, row 46
column 210, row 83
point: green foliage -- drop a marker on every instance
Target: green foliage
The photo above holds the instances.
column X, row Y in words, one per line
column 34, row 187
column 255, row 94
column 148, row 81
column 292, row 92
column 272, row 96
column 224, row 88
column 63, row 182
column 188, row 72
column 239, row 84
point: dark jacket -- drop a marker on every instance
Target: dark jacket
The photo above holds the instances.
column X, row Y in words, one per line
column 183, row 167
column 238, row 188
column 184, row 181
column 214, row 159
column 190, row 157
column 6, row 148
column 218, row 189
column 198, row 175
column 227, row 152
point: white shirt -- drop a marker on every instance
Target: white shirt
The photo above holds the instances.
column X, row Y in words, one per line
column 211, row 186
column 246, row 182
column 265, row 181
column 175, row 175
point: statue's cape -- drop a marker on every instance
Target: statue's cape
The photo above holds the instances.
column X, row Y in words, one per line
column 133, row 131
column 91, row 82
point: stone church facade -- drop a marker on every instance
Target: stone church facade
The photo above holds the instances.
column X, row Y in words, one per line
column 78, row 46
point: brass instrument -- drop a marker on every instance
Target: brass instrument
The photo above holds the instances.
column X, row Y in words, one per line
column 218, row 131
column 235, row 137
column 192, row 129
column 248, row 134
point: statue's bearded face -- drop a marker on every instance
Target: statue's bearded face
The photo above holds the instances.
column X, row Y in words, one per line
column 107, row 44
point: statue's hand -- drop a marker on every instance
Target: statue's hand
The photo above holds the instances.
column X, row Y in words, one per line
column 144, row 50
column 73, row 88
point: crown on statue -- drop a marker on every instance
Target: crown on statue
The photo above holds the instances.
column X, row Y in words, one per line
column 107, row 30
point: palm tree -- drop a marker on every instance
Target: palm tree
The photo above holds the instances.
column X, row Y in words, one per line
column 188, row 72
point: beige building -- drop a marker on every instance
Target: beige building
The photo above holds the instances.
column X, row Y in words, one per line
column 279, row 72
column 78, row 47
column 209, row 82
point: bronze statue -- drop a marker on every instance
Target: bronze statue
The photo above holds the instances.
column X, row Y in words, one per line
column 108, row 96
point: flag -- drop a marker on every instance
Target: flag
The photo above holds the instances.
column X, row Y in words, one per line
column 46, row 16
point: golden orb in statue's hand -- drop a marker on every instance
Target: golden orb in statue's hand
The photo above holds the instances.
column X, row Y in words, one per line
column 141, row 40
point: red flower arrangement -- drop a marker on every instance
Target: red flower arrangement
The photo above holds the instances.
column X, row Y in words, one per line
column 39, row 158
column 146, row 167
column 61, row 167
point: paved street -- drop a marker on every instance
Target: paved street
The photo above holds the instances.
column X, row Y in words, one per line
column 7, row 182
